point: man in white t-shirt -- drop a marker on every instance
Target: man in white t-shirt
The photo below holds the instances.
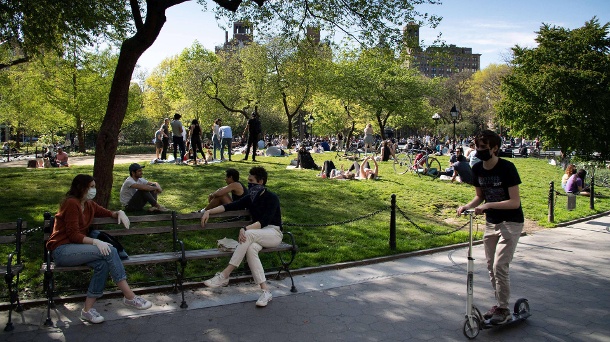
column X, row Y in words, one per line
column 137, row 191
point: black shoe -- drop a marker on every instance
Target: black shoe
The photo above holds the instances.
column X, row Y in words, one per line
column 253, row 159
column 246, row 158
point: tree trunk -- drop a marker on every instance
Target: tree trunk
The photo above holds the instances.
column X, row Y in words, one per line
column 131, row 50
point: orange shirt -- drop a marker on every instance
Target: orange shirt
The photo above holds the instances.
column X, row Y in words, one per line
column 72, row 224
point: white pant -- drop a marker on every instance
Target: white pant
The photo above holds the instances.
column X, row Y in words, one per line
column 256, row 239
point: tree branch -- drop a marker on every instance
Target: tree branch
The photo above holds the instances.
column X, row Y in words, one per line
column 137, row 15
column 14, row 62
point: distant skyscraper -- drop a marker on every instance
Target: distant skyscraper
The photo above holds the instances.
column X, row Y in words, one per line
column 439, row 61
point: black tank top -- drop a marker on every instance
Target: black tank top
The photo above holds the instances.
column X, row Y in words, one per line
column 236, row 197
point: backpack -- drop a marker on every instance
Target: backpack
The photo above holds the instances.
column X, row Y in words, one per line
column 305, row 161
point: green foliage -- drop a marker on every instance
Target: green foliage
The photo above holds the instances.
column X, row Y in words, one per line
column 34, row 26
column 559, row 90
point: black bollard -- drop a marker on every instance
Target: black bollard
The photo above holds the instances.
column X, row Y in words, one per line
column 551, row 201
column 393, row 222
column 592, row 193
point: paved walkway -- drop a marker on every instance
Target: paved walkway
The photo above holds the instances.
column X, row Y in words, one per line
column 85, row 160
column 563, row 272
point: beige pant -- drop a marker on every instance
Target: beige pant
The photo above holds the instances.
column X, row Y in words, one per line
column 500, row 242
column 256, row 239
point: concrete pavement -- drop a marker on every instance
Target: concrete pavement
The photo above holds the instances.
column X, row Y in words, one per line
column 563, row 273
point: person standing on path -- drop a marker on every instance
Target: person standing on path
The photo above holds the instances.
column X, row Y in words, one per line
column 254, row 129
column 226, row 138
column 178, row 138
column 496, row 182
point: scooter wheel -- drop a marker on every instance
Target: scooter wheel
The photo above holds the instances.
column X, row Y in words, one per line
column 522, row 307
column 472, row 331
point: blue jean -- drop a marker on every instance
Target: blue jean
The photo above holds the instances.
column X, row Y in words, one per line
column 179, row 143
column 74, row 254
column 215, row 144
column 226, row 142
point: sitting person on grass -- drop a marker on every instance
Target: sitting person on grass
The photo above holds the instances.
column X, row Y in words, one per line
column 570, row 170
column 576, row 184
column 137, row 191
column 265, row 231
column 233, row 191
column 61, row 158
column 462, row 169
column 365, row 169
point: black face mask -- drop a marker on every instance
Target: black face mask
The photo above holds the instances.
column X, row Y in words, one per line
column 484, row 155
column 254, row 189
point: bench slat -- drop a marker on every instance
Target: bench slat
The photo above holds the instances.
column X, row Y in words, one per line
column 139, row 259
column 134, row 219
column 12, row 225
column 193, row 216
column 212, row 225
column 15, row 269
column 216, row 253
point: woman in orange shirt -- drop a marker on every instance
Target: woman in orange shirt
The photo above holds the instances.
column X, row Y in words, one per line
column 70, row 245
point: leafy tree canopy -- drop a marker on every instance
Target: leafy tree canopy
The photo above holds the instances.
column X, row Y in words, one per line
column 30, row 27
column 560, row 90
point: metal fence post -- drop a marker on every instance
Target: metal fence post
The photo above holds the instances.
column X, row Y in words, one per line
column 393, row 222
column 551, row 201
column 592, row 193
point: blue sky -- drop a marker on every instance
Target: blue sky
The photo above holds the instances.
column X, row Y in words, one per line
column 489, row 27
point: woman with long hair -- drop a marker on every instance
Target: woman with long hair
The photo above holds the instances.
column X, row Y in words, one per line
column 70, row 245
column 195, row 134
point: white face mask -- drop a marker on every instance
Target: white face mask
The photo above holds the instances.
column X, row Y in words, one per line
column 91, row 193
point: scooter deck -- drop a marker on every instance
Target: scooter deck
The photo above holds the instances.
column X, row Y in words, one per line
column 515, row 318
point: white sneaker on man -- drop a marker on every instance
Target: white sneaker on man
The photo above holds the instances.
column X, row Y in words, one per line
column 264, row 299
column 217, row 281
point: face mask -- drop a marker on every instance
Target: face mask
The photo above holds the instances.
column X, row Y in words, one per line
column 254, row 189
column 484, row 155
column 91, row 193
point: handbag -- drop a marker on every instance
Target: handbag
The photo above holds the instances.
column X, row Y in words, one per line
column 103, row 236
column 227, row 245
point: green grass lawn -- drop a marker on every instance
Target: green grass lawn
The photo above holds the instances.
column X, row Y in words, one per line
column 314, row 209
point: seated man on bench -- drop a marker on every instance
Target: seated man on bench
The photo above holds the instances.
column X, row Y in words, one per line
column 265, row 231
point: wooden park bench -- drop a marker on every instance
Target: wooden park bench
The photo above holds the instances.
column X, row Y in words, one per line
column 12, row 234
column 231, row 221
column 144, row 226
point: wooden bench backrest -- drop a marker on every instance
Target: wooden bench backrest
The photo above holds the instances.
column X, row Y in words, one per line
column 228, row 219
column 14, row 229
column 165, row 225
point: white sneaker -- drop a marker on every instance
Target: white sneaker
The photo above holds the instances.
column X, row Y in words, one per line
column 92, row 316
column 137, row 302
column 217, row 281
column 264, row 299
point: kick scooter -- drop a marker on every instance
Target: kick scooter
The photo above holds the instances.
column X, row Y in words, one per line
column 475, row 322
